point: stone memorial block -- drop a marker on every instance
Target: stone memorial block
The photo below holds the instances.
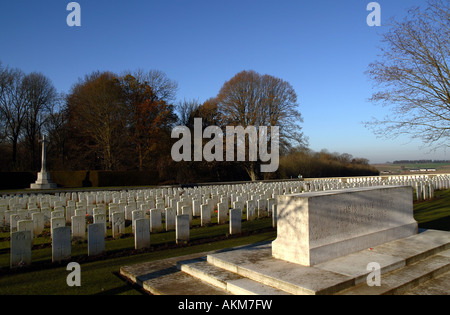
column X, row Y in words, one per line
column 155, row 220
column 79, row 227
column 21, row 243
column 251, row 210
column 61, row 244
column 182, row 228
column 222, row 213
column 170, row 219
column 96, row 239
column 142, row 233
column 205, row 214
column 118, row 224
column 319, row 226
column 235, row 221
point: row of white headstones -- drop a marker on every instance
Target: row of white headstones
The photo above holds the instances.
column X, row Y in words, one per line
column 27, row 215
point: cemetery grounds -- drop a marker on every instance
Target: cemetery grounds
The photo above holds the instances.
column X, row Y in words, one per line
column 100, row 274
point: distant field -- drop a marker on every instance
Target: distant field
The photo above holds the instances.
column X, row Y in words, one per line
column 405, row 168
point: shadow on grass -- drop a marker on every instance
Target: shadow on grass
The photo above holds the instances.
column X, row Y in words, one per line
column 442, row 224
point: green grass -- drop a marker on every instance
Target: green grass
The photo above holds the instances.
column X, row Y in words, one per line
column 434, row 214
column 101, row 276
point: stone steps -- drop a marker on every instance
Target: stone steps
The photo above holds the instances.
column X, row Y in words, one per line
column 416, row 264
column 225, row 280
column 406, row 278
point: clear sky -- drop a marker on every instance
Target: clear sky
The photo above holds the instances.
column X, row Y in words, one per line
column 321, row 47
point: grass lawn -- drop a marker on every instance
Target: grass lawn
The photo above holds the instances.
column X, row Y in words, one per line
column 434, row 214
column 100, row 277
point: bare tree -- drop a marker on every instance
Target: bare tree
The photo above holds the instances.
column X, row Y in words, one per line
column 187, row 109
column 164, row 89
column 41, row 95
column 252, row 99
column 13, row 106
column 413, row 76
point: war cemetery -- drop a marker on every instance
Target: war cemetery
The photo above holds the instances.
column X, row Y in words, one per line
column 117, row 186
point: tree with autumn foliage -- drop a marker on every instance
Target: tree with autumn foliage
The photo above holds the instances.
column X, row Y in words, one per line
column 149, row 118
column 96, row 122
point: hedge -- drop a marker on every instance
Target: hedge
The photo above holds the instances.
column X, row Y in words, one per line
column 77, row 179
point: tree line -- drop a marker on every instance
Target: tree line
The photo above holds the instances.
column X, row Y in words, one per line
column 123, row 122
column 420, row 161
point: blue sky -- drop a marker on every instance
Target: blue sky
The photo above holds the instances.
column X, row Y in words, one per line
column 322, row 48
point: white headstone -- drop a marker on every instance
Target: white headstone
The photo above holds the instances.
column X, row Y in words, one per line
column 61, row 244
column 101, row 218
column 38, row 223
column 96, row 239
column 26, row 225
column 170, row 219
column 142, row 234
column 47, row 215
column 136, row 214
column 79, row 227
column 235, row 221
column 182, row 228
column 222, row 213
column 196, row 208
column 155, row 220
column 118, row 224
column 20, row 249
column 14, row 218
column 57, row 222
column 187, row 210
column 262, row 208
column 251, row 210
column 205, row 214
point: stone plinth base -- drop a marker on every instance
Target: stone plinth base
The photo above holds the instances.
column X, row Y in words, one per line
column 43, row 182
column 316, row 227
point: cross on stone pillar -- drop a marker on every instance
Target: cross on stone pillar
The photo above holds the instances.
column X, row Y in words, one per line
column 43, row 179
column 44, row 142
